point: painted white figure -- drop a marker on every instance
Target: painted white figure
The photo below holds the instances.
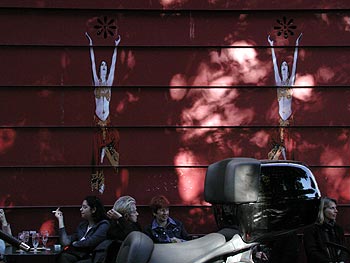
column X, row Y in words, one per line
column 106, row 139
column 102, row 82
column 284, row 81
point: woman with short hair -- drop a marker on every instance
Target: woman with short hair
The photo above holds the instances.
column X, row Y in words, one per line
column 163, row 228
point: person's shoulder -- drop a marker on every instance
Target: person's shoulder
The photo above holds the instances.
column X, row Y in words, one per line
column 103, row 222
column 176, row 221
column 83, row 224
column 311, row 228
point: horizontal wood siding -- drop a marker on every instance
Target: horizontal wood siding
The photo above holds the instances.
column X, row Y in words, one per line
column 194, row 84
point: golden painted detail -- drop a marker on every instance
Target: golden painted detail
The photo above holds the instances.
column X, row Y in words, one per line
column 101, row 123
column 276, row 152
column 112, row 155
column 284, row 92
column 284, row 123
column 97, row 181
column 103, row 92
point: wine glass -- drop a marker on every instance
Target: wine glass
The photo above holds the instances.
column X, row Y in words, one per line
column 44, row 237
column 21, row 238
column 25, row 236
column 35, row 241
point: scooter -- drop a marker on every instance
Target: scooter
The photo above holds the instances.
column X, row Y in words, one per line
column 253, row 201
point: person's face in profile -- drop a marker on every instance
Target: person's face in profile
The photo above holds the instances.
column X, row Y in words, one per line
column 330, row 212
column 162, row 215
column 132, row 216
column 86, row 211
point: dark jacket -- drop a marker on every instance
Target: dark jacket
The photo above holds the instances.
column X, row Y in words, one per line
column 159, row 234
column 315, row 239
column 117, row 232
column 120, row 228
column 84, row 248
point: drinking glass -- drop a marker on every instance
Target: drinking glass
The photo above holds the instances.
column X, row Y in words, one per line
column 44, row 237
column 35, row 241
column 21, row 238
column 25, row 237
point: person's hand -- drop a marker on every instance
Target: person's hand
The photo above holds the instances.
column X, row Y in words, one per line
column 270, row 41
column 112, row 214
column 175, row 240
column 298, row 39
column 58, row 213
column 3, row 218
column 89, row 38
column 117, row 41
column 261, row 255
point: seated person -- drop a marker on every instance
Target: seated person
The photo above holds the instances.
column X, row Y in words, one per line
column 164, row 229
column 325, row 230
column 123, row 219
column 89, row 233
column 5, row 226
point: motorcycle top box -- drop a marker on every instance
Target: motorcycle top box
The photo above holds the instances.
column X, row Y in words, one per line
column 262, row 198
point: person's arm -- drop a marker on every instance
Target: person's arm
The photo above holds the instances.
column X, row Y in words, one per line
column 5, row 226
column 294, row 68
column 64, row 238
column 114, row 60
column 184, row 234
column 274, row 61
column 98, row 235
column 148, row 231
column 93, row 63
column 313, row 247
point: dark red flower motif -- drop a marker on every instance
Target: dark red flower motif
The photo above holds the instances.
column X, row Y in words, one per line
column 105, row 27
column 285, row 27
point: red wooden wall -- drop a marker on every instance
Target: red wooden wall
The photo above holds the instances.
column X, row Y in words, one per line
column 193, row 85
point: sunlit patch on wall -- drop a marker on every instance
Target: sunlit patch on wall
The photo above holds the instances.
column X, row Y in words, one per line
column 190, row 180
column 172, row 3
column 124, row 183
column 260, row 139
column 344, row 191
column 7, row 139
column 334, row 179
column 325, row 74
column 346, row 20
column 245, row 63
column 304, row 94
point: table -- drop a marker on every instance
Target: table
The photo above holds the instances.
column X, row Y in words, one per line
column 13, row 255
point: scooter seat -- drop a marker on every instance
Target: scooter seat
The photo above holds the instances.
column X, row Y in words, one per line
column 186, row 252
column 139, row 248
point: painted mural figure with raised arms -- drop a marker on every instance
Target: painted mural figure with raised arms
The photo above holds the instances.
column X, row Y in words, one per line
column 284, row 82
column 106, row 139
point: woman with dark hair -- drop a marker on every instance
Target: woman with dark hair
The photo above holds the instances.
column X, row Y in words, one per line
column 163, row 228
column 323, row 232
column 89, row 233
